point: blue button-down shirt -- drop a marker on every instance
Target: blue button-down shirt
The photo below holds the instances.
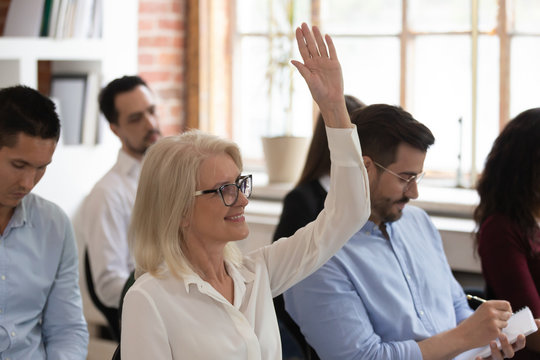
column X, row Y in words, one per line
column 376, row 297
column 40, row 303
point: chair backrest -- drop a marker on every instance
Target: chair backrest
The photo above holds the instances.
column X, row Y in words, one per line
column 116, row 355
column 130, row 281
column 111, row 314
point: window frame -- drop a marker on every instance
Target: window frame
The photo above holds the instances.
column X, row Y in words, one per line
column 207, row 94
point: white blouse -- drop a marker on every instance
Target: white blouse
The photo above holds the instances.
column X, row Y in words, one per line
column 168, row 318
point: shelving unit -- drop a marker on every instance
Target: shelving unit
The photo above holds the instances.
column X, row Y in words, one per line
column 76, row 168
column 19, row 57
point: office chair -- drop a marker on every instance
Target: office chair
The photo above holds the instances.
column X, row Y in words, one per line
column 130, row 281
column 111, row 314
column 116, row 355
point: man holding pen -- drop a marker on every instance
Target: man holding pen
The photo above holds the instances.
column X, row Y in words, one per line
column 389, row 293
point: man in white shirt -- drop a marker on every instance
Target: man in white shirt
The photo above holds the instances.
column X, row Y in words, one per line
column 103, row 219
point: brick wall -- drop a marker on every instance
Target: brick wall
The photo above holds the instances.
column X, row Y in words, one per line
column 162, row 39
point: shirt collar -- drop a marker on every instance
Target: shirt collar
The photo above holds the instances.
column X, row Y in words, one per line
column 127, row 164
column 370, row 228
column 239, row 275
column 19, row 217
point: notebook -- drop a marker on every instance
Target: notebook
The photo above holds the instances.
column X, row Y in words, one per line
column 521, row 322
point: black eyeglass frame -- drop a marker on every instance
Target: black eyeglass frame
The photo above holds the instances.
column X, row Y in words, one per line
column 414, row 178
column 242, row 181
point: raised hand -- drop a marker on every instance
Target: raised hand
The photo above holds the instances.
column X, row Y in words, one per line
column 322, row 72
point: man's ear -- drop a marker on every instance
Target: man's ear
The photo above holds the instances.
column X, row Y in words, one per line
column 114, row 128
column 370, row 167
column 368, row 162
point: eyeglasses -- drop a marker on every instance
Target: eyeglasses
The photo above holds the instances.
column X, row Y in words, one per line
column 229, row 192
column 416, row 178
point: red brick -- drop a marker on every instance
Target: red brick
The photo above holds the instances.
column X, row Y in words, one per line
column 170, row 24
column 170, row 93
column 146, row 59
column 179, row 78
column 149, row 24
column 153, row 6
column 156, row 76
column 171, row 129
column 179, row 7
column 176, row 111
column 161, row 41
column 167, row 58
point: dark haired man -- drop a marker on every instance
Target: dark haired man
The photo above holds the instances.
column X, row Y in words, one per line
column 389, row 293
column 40, row 303
column 102, row 221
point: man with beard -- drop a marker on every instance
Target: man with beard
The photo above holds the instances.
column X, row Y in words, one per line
column 103, row 219
column 389, row 292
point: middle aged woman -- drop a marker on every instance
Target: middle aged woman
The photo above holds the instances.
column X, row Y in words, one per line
column 196, row 296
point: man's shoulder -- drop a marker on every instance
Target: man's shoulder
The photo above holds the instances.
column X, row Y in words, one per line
column 111, row 177
column 110, row 184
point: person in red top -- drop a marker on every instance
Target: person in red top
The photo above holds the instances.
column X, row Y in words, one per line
column 508, row 219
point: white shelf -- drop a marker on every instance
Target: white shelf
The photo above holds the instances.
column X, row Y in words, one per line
column 19, row 57
column 19, row 48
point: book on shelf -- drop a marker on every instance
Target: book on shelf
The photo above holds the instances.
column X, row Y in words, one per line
column 69, row 91
column 91, row 113
column 46, row 17
column 54, row 18
column 24, row 18
column 77, row 99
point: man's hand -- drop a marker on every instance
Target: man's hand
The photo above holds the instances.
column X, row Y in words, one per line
column 507, row 350
column 485, row 324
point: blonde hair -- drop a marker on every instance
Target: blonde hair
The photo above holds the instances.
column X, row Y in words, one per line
column 168, row 180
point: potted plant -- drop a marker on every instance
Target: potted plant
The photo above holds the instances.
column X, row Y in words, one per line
column 284, row 153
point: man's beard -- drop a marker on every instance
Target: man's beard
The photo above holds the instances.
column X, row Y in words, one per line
column 141, row 150
column 383, row 208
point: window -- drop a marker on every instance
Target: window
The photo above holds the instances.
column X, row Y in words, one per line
column 462, row 67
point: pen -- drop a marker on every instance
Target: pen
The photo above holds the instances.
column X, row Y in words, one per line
column 472, row 297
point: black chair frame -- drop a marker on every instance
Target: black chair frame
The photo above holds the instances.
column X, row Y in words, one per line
column 111, row 314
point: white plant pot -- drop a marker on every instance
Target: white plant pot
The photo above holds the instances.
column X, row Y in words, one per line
column 285, row 157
